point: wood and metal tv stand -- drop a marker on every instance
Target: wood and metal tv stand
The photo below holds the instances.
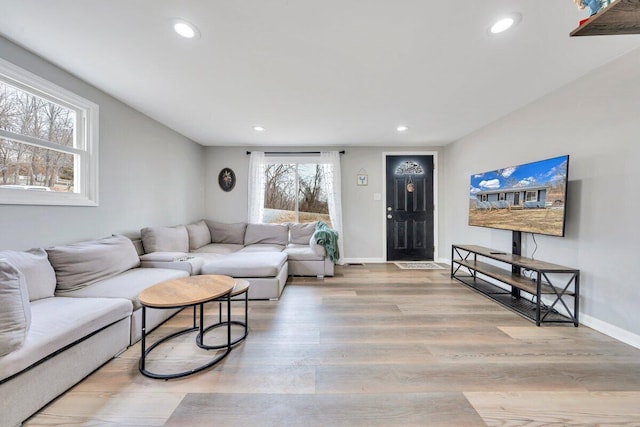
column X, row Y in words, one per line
column 522, row 283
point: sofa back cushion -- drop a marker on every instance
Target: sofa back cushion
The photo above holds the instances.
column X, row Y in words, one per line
column 165, row 239
column 15, row 315
column 81, row 264
column 227, row 233
column 36, row 268
column 199, row 235
column 277, row 234
column 301, row 233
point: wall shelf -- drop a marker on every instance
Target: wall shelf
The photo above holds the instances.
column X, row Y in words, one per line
column 620, row 17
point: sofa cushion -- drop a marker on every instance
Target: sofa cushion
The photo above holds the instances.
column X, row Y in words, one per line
column 57, row 322
column 218, row 248
column 199, row 235
column 277, row 234
column 128, row 284
column 301, row 233
column 302, row 253
column 15, row 311
column 37, row 270
column 227, row 233
column 262, row 247
column 81, row 264
column 165, row 239
column 246, row 264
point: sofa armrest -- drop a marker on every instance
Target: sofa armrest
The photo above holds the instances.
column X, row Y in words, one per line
column 172, row 260
column 318, row 249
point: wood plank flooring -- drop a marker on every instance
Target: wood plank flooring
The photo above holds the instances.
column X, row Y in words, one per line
column 372, row 346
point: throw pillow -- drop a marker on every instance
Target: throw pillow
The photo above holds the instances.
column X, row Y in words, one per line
column 37, row 270
column 199, row 235
column 276, row 234
column 81, row 264
column 15, row 311
column 227, row 233
column 301, row 233
column 165, row 239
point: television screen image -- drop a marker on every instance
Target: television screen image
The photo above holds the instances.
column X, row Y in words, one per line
column 530, row 197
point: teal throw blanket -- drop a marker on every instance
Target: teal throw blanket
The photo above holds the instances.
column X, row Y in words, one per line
column 328, row 238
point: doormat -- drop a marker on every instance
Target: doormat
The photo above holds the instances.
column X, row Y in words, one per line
column 419, row 265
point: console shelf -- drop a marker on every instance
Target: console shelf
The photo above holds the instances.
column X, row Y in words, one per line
column 471, row 265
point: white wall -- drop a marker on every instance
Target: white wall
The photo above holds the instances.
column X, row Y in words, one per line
column 149, row 174
column 363, row 217
column 596, row 120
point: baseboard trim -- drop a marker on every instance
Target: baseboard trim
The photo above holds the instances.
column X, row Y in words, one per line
column 611, row 330
column 363, row 260
column 382, row 261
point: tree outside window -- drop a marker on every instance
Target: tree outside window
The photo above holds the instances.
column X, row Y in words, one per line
column 294, row 192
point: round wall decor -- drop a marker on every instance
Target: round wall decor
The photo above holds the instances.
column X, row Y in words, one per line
column 227, row 179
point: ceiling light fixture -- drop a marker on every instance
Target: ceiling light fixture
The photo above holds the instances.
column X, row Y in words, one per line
column 402, row 128
column 258, row 128
column 504, row 23
column 185, row 29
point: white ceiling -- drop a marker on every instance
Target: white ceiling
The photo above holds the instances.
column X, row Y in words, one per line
column 331, row 72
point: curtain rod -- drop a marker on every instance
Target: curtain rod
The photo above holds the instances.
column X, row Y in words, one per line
column 294, row 152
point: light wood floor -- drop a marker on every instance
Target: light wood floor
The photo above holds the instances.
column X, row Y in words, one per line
column 373, row 346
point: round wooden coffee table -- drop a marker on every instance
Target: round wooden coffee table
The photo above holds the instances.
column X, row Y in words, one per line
column 241, row 288
column 189, row 291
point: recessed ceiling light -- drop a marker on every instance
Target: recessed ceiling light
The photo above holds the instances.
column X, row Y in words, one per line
column 504, row 23
column 402, row 128
column 185, row 29
column 258, row 128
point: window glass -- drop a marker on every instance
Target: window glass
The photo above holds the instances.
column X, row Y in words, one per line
column 48, row 142
column 295, row 192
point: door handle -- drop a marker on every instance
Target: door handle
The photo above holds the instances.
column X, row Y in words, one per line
column 389, row 208
column 389, row 216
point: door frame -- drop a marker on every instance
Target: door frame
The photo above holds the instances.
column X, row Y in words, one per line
column 436, row 199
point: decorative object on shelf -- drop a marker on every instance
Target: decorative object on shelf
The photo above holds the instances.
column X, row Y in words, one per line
column 614, row 18
column 593, row 5
column 362, row 177
column 227, row 179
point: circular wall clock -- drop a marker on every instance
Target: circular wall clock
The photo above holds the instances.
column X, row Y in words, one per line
column 227, row 179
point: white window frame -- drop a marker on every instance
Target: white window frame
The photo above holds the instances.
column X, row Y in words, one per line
column 531, row 196
column 85, row 149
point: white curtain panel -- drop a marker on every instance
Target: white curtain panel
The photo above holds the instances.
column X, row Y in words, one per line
column 257, row 165
column 333, row 182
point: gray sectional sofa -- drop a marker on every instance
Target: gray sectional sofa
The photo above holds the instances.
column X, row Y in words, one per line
column 263, row 254
column 65, row 311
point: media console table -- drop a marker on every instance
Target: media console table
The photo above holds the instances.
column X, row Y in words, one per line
column 476, row 265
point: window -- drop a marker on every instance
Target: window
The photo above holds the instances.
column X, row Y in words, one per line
column 48, row 142
column 295, row 192
column 296, row 189
column 531, row 196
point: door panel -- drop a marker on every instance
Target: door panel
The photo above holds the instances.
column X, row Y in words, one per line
column 409, row 208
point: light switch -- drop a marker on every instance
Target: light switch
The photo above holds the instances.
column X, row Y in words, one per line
column 377, row 196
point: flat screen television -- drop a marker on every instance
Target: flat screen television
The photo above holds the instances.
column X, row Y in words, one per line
column 529, row 198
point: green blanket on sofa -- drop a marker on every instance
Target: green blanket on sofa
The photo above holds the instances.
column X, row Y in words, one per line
column 328, row 238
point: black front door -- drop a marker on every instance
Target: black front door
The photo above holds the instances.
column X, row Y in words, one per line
column 409, row 208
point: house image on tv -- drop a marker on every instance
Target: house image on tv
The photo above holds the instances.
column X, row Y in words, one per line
column 533, row 197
